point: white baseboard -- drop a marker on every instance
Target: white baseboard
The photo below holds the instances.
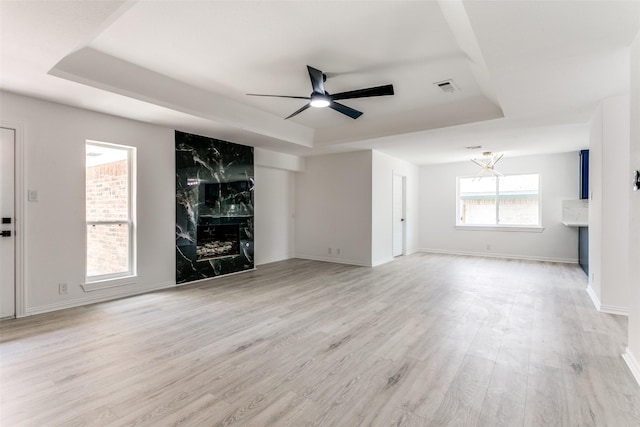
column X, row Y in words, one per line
column 274, row 259
column 632, row 363
column 499, row 255
column 348, row 261
column 602, row 308
column 92, row 299
column 334, row 260
column 382, row 261
column 594, row 298
column 612, row 309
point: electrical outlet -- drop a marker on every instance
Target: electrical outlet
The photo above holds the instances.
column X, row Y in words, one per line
column 62, row 288
column 329, row 251
column 488, row 247
column 338, row 251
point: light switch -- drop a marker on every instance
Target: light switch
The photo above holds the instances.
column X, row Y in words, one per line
column 32, row 195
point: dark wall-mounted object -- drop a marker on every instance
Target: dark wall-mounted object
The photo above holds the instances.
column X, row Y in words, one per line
column 636, row 180
column 584, row 174
column 583, row 249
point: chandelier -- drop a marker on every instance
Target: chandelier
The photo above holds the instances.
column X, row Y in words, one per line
column 487, row 164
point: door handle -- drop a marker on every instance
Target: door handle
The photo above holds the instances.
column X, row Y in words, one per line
column 6, row 233
column 401, row 219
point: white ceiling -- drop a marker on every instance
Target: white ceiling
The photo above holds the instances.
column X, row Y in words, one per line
column 530, row 72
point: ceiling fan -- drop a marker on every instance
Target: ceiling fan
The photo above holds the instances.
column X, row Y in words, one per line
column 320, row 98
column 487, row 164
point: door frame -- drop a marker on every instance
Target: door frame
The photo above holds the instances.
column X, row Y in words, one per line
column 404, row 212
column 19, row 215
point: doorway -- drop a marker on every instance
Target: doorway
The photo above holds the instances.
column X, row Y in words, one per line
column 11, row 224
column 398, row 216
column 7, row 225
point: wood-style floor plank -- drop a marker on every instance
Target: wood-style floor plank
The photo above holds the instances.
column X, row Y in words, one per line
column 426, row 340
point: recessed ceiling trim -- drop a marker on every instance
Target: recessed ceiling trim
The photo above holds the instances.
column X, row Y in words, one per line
column 93, row 68
column 457, row 112
column 455, row 14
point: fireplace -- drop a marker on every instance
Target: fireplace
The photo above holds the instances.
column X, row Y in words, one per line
column 217, row 241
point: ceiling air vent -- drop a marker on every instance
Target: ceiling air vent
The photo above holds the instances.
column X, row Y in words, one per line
column 447, row 86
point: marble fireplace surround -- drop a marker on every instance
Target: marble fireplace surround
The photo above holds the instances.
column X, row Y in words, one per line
column 214, row 207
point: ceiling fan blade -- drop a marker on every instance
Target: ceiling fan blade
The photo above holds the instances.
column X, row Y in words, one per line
column 482, row 165
column 317, row 80
column 496, row 159
column 479, row 175
column 279, row 96
column 304, row 107
column 364, row 93
column 354, row 114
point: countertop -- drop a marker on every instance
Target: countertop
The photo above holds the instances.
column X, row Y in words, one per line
column 575, row 224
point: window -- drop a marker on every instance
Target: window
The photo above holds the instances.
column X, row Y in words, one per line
column 509, row 201
column 109, row 211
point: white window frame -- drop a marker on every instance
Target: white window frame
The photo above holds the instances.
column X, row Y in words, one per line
column 122, row 278
column 536, row 228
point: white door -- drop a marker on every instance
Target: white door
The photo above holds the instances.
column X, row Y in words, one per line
column 7, row 228
column 398, row 215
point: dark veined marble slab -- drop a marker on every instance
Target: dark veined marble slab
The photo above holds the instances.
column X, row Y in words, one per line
column 214, row 192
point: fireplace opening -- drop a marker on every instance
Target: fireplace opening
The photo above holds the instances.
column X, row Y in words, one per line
column 216, row 241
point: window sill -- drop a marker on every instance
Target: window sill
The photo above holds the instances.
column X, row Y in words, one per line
column 524, row 229
column 109, row 283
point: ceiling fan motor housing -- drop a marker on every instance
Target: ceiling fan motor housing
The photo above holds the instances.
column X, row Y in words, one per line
column 319, row 100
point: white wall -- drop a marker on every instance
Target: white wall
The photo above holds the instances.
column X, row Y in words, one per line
column 274, row 214
column 333, row 208
column 275, row 205
column 383, row 168
column 609, row 205
column 54, row 240
column 595, row 205
column 54, row 144
column 559, row 175
column 632, row 354
column 272, row 159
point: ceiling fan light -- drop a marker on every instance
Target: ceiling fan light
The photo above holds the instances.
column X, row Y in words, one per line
column 319, row 101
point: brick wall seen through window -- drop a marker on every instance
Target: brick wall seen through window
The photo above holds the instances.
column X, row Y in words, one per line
column 108, row 211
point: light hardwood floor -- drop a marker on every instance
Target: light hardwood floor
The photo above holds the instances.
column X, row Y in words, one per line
column 427, row 340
